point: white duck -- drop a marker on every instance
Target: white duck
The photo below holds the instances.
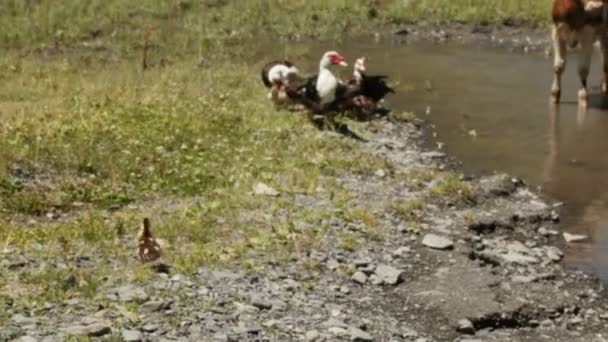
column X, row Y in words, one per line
column 322, row 87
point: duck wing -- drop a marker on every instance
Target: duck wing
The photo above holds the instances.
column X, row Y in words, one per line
column 266, row 69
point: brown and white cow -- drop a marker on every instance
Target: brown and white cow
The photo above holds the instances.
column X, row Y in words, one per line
column 582, row 23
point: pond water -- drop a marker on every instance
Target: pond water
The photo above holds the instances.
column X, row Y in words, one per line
column 490, row 108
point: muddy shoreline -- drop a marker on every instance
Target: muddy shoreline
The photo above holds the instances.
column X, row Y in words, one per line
column 452, row 265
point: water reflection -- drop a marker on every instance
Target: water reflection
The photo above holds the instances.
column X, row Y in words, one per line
column 573, row 170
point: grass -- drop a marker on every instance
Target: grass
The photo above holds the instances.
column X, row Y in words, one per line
column 83, row 129
column 204, row 25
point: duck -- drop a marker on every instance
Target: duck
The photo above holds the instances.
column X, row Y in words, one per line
column 318, row 92
column 373, row 86
column 361, row 94
column 274, row 73
column 148, row 249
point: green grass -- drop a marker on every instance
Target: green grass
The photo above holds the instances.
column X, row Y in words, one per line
column 83, row 129
column 204, row 25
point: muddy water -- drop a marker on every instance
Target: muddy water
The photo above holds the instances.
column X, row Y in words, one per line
column 491, row 110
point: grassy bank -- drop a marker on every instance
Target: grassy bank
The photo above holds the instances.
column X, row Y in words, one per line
column 84, row 130
column 208, row 24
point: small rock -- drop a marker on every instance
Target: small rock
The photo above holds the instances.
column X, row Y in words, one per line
column 554, row 253
column 546, row 324
column 402, row 251
column 433, row 155
column 22, row 320
column 337, row 331
column 437, row 242
column 93, row 330
column 333, row 264
column 259, row 302
column 518, row 258
column 129, row 293
column 574, row 237
column 153, row 306
column 312, row 336
column 547, row 232
column 262, row 189
column 523, row 279
column 358, row 335
column 389, row 275
column 26, row 339
column 465, row 326
column 131, row 336
column 359, row 277
column 364, row 262
column 332, row 322
column 150, row 327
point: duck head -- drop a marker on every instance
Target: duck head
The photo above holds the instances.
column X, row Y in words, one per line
column 359, row 69
column 332, row 58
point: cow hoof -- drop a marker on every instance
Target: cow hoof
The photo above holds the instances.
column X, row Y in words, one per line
column 582, row 95
column 555, row 96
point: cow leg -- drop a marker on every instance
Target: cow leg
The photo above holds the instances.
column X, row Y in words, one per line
column 559, row 63
column 584, row 63
column 604, row 46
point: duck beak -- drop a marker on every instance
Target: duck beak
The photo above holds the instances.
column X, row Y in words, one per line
column 343, row 63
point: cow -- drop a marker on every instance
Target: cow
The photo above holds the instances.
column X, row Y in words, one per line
column 578, row 23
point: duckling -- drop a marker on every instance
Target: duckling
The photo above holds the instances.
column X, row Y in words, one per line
column 148, row 248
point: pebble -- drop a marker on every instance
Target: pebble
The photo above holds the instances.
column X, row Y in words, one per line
column 131, row 336
column 260, row 302
column 389, row 275
column 466, row 326
column 312, row 336
column 574, row 237
column 359, row 277
column 358, row 335
column 93, row 330
column 26, row 339
column 437, row 242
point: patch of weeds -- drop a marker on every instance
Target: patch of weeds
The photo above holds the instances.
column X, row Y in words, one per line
column 414, row 227
column 348, row 241
column 371, row 225
column 403, row 116
column 451, row 187
column 408, row 209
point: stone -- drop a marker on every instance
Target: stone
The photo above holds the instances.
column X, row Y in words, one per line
column 359, row 277
column 150, row 327
column 332, row 322
column 437, row 242
column 262, row 189
column 153, row 306
column 389, row 275
column 402, row 251
column 465, row 326
column 130, row 292
column 261, row 303
column 131, row 336
column 518, row 258
column 358, row 335
column 22, row 320
column 92, row 330
column 312, row 336
column 574, row 237
column 554, row 253
column 26, row 339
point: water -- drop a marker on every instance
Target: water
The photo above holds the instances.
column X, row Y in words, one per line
column 491, row 109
